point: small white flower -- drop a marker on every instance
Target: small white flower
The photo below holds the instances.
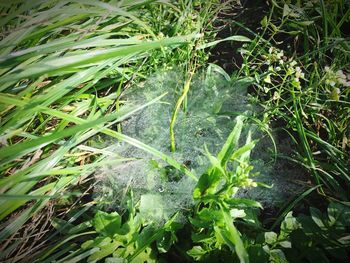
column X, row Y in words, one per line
column 299, row 73
column 340, row 74
column 344, row 82
column 276, row 96
column 279, row 55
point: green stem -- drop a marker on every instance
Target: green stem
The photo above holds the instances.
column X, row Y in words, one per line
column 176, row 110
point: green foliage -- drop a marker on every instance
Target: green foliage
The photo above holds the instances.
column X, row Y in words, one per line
column 307, row 89
column 322, row 236
column 63, row 68
column 217, row 208
column 126, row 238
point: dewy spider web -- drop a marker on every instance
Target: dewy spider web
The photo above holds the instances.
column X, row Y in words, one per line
column 161, row 189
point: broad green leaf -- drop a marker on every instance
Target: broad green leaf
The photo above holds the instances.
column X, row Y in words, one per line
column 207, row 183
column 216, row 164
column 165, row 242
column 107, row 224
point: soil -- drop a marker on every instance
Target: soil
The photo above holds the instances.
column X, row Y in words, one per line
column 250, row 13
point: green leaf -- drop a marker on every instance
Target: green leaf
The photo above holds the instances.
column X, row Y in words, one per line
column 245, row 149
column 80, row 257
column 285, row 244
column 308, row 225
column 215, row 162
column 106, row 249
column 289, row 224
column 55, row 65
column 263, row 22
column 210, row 215
column 286, row 10
column 232, row 238
column 207, row 183
column 237, row 38
column 143, row 243
column 242, row 202
column 237, row 213
column 107, row 224
column 231, row 142
column 197, row 253
column 270, row 237
column 317, row 217
column 42, row 141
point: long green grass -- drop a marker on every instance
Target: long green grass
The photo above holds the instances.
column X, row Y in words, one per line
column 61, row 65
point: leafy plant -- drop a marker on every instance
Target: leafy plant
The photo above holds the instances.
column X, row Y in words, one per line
column 322, row 237
column 217, row 208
